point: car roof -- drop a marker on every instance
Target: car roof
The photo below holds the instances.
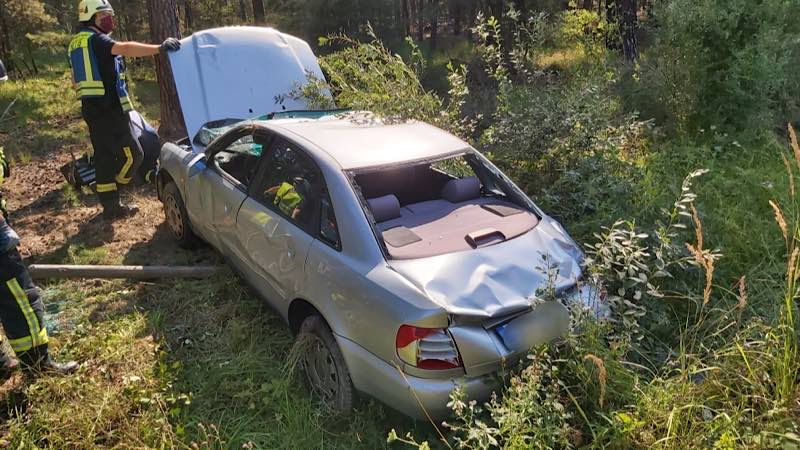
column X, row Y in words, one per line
column 361, row 140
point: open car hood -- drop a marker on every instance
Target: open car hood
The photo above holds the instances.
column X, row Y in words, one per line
column 239, row 73
column 500, row 279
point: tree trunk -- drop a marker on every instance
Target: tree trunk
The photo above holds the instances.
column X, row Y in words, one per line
column 588, row 5
column 5, row 42
column 434, row 21
column 456, row 13
column 164, row 24
column 627, row 27
column 243, row 11
column 258, row 12
column 406, row 18
column 623, row 14
column 188, row 14
column 420, row 20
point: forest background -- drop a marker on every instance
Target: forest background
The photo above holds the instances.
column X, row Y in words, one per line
column 654, row 130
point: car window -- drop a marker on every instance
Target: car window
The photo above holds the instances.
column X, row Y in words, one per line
column 328, row 228
column 291, row 185
column 239, row 160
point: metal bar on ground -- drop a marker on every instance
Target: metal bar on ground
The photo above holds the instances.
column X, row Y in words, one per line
column 45, row 271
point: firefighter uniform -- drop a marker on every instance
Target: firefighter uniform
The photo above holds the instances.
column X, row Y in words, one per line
column 21, row 309
column 105, row 105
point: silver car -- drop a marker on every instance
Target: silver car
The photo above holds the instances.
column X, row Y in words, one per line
column 403, row 260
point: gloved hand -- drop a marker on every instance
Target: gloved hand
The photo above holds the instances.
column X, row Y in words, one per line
column 171, row 45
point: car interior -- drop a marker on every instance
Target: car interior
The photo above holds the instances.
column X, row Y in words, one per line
column 427, row 209
column 240, row 159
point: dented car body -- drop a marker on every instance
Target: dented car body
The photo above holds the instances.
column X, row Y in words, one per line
column 427, row 266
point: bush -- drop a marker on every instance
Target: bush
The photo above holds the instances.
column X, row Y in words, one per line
column 724, row 62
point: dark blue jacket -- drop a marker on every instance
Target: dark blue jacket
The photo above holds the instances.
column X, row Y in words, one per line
column 8, row 237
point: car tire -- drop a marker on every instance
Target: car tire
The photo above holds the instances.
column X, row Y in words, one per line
column 324, row 366
column 177, row 218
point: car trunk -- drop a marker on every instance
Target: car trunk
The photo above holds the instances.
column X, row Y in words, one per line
column 239, row 73
column 493, row 294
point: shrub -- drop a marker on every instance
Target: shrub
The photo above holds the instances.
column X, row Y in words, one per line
column 726, row 62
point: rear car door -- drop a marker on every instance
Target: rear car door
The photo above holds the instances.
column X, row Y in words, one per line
column 278, row 221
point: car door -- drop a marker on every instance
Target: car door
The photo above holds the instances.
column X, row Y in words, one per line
column 276, row 224
column 231, row 166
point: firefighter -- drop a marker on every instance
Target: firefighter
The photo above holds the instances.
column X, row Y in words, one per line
column 21, row 308
column 98, row 71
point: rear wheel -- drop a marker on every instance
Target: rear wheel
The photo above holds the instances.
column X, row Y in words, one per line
column 324, row 366
column 177, row 219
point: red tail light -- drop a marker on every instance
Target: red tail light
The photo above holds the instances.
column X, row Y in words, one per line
column 427, row 348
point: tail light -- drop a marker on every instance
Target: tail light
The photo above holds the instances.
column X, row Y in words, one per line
column 427, row 348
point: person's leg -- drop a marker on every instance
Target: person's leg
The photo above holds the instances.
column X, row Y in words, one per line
column 105, row 164
column 22, row 315
column 129, row 151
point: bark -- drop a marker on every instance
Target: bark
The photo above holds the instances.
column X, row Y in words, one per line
column 5, row 49
column 628, row 27
column 242, row 11
column 258, row 12
column 434, row 21
column 188, row 14
column 456, row 13
column 420, row 20
column 163, row 24
column 623, row 14
column 406, row 18
column 588, row 4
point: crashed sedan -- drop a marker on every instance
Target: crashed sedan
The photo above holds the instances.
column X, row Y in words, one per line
column 403, row 260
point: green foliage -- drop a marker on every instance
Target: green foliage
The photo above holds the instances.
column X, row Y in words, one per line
column 723, row 62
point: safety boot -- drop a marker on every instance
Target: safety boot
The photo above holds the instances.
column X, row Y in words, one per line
column 119, row 211
column 37, row 360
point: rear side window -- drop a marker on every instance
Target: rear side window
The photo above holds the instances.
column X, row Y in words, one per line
column 328, row 228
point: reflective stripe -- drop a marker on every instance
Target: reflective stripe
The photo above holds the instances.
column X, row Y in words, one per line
column 27, row 311
column 121, row 179
column 91, row 92
column 126, row 104
column 21, row 345
column 110, row 187
column 26, row 343
column 87, row 64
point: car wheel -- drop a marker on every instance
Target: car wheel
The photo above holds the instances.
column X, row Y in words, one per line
column 177, row 219
column 324, row 366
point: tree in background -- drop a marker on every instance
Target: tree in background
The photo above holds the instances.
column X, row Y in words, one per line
column 17, row 19
column 258, row 12
column 164, row 24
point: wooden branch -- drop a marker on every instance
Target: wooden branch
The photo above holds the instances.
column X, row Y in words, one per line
column 45, row 271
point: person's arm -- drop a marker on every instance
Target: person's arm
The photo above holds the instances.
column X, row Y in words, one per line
column 134, row 49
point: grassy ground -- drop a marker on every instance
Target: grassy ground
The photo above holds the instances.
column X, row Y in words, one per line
column 164, row 364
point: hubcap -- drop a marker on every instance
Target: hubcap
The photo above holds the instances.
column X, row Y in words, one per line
column 321, row 371
column 173, row 214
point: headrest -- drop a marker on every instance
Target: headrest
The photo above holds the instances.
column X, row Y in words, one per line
column 461, row 189
column 384, row 208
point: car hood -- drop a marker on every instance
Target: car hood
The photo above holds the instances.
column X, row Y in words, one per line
column 501, row 279
column 239, row 73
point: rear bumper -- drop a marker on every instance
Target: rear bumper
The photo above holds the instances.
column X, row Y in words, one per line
column 408, row 394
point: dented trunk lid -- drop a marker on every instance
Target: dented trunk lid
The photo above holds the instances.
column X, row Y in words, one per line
column 492, row 293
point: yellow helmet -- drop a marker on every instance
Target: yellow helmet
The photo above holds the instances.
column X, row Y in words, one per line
column 88, row 8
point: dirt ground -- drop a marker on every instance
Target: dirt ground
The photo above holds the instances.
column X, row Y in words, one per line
column 55, row 222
